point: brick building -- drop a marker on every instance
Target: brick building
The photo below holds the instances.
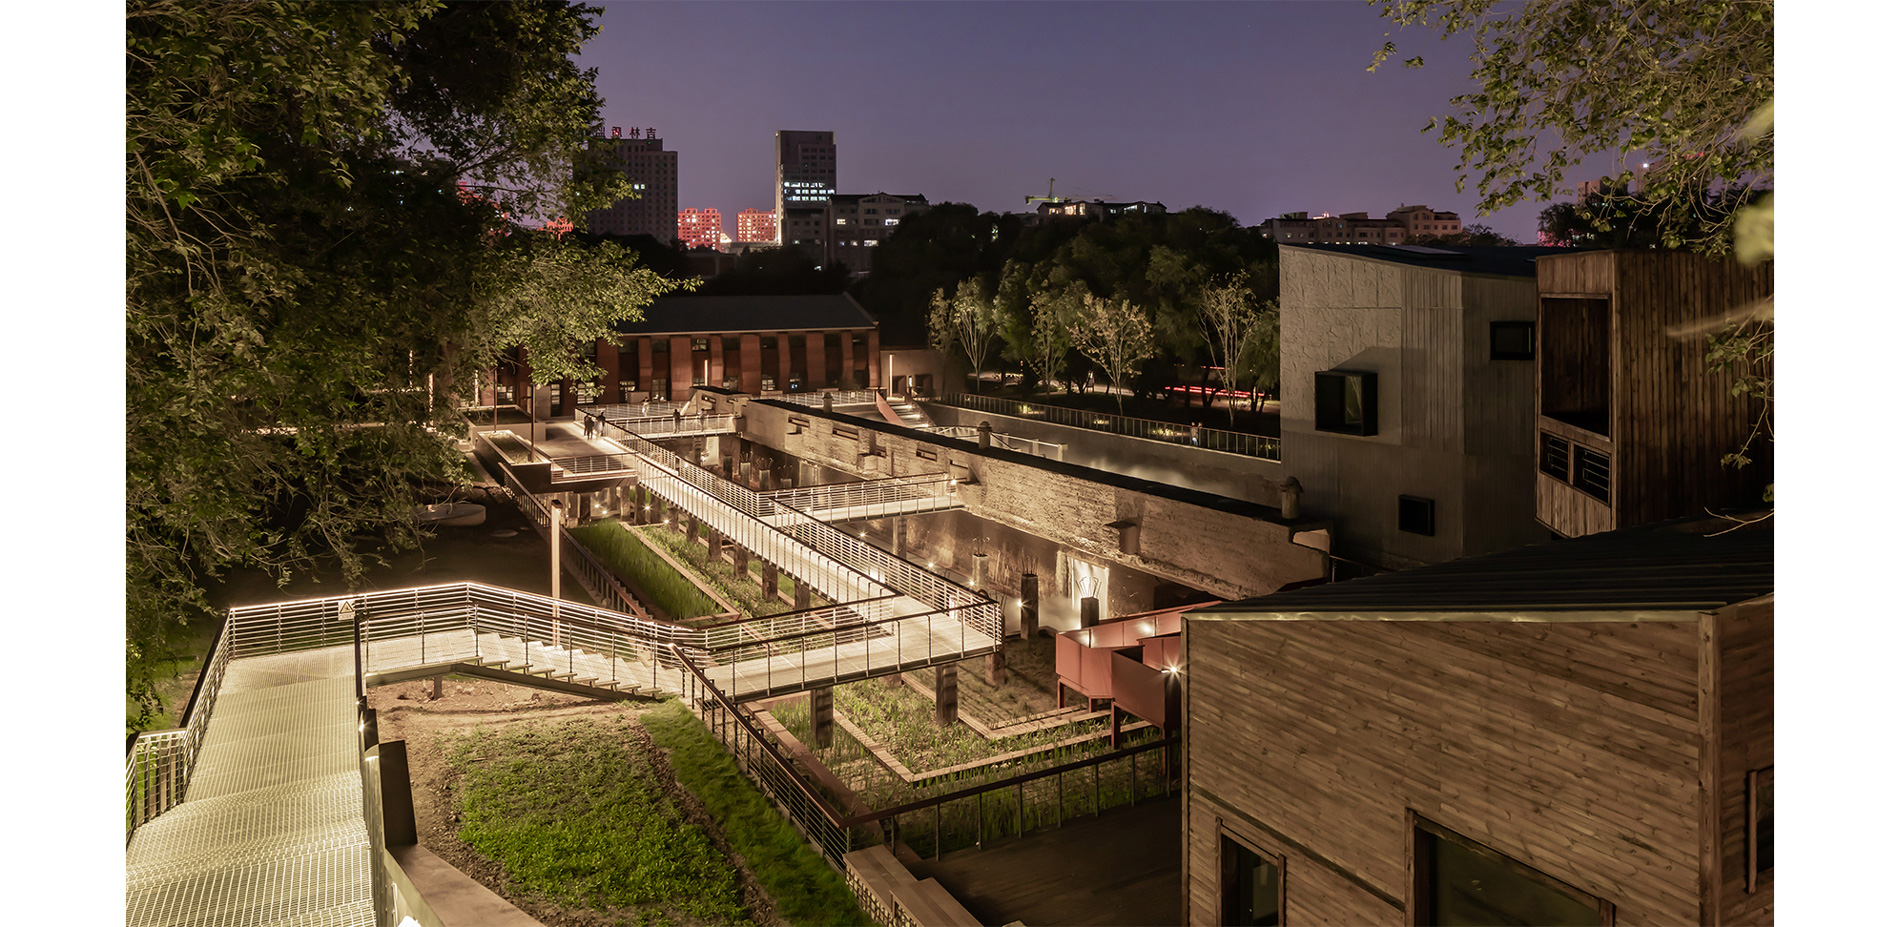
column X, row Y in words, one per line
column 700, row 228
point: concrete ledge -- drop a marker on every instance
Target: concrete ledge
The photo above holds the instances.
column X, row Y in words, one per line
column 437, row 894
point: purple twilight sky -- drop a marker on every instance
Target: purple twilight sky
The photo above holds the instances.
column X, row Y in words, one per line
column 1254, row 109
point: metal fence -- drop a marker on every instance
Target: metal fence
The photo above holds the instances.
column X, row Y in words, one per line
column 871, row 498
column 158, row 764
column 1233, row 442
column 838, row 397
column 1021, row 804
column 595, row 577
column 1049, row 449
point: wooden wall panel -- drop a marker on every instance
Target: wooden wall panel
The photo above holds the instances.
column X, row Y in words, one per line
column 1571, row 748
column 1566, row 510
column 1745, row 647
column 1316, row 891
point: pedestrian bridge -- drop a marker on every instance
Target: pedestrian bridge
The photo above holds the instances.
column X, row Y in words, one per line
column 255, row 812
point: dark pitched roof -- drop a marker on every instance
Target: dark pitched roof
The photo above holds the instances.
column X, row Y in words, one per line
column 1674, row 565
column 679, row 315
column 1518, row 261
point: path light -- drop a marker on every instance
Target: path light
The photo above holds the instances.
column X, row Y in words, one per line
column 1173, row 670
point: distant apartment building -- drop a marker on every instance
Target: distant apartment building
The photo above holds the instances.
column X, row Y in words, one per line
column 807, row 179
column 700, row 228
column 1357, row 228
column 1096, row 209
column 757, row 225
column 654, row 172
column 855, row 224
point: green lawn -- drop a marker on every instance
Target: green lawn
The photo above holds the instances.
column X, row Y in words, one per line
column 574, row 811
column 806, row 889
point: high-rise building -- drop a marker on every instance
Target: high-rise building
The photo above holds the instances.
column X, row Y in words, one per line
column 855, row 224
column 654, row 172
column 807, row 177
column 700, row 228
column 758, row 225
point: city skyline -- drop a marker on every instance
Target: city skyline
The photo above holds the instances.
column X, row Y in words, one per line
column 1251, row 109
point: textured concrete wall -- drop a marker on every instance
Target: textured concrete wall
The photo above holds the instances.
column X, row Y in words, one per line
column 1231, row 550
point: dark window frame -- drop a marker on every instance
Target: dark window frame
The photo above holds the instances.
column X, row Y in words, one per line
column 1227, row 838
column 1529, row 329
column 1760, row 867
column 1418, row 503
column 1329, row 402
column 1420, row 831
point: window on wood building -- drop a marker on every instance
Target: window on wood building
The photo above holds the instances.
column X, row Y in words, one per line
column 1346, row 402
column 1512, row 340
column 1418, row 515
column 1575, row 350
column 1461, row 881
column 1251, row 886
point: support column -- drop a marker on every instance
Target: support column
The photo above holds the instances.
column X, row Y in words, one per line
column 801, row 595
column 821, row 717
column 768, row 580
column 946, row 695
column 1091, row 612
column 714, row 544
column 692, row 528
column 741, row 561
column 898, row 535
column 1031, row 607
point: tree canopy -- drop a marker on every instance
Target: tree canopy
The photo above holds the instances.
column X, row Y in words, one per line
column 320, row 253
column 1561, row 79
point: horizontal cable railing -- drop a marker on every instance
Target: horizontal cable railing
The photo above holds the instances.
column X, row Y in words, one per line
column 1232, row 442
column 793, row 661
column 615, row 412
column 999, row 439
column 599, row 581
column 882, row 497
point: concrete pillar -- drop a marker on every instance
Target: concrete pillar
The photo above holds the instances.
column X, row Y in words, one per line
column 768, row 580
column 827, row 401
column 898, row 526
column 714, row 545
column 1031, row 608
column 1091, row 612
column 1290, row 498
column 980, row 571
column 821, row 717
column 946, row 695
column 996, row 668
column 983, row 434
column 801, row 595
column 692, row 528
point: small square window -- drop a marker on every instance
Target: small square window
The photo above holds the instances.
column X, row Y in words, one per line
column 1252, row 891
column 1417, row 515
column 1346, row 402
column 700, row 344
column 1511, row 340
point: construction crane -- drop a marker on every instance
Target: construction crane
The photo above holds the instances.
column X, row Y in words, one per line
column 1053, row 198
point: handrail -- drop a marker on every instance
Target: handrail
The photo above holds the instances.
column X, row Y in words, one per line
column 1017, row 779
column 158, row 764
column 1216, row 439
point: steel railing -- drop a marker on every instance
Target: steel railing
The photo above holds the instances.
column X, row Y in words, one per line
column 1041, row 798
column 841, row 567
column 872, row 498
column 1232, row 442
column 158, row 764
column 1032, row 446
column 595, row 577
column 838, row 397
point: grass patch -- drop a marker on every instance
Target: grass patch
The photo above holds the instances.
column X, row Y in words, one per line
column 741, row 592
column 806, row 888
column 575, row 812
column 634, row 563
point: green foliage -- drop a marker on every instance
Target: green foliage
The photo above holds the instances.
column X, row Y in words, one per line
column 743, row 593
column 575, row 811
column 1228, row 315
column 634, row 563
column 318, row 257
column 1114, row 333
column 967, row 320
column 805, row 888
column 1561, row 79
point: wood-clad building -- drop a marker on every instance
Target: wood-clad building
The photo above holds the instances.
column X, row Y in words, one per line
column 759, row 345
column 1407, row 397
column 1632, row 425
column 1575, row 732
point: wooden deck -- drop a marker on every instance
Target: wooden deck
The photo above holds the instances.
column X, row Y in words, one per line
column 1123, row 868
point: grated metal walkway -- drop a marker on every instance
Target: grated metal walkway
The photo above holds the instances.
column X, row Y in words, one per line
column 271, row 829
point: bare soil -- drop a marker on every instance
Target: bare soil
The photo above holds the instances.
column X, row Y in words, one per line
column 406, row 711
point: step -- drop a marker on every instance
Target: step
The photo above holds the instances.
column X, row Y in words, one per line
column 561, row 676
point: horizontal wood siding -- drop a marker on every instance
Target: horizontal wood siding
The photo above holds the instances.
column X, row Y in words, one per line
column 1572, row 747
column 1674, row 417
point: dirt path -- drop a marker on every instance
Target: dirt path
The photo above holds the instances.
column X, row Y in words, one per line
column 405, row 711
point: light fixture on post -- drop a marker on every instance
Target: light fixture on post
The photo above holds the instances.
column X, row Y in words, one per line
column 554, row 565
